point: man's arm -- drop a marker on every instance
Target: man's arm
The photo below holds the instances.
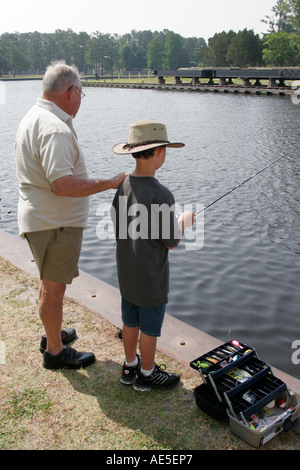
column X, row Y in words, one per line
column 76, row 187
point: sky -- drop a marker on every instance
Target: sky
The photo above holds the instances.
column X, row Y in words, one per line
column 192, row 18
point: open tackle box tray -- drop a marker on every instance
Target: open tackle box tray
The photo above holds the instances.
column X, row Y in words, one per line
column 239, row 386
column 221, row 359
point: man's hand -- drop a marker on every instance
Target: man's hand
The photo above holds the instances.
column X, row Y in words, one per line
column 118, row 179
column 76, row 187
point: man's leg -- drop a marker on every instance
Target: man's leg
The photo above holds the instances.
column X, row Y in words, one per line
column 51, row 313
column 56, row 355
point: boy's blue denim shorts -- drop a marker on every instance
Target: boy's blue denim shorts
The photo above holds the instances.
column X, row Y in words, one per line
column 149, row 320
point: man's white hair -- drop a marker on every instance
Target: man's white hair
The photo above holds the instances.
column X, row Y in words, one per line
column 60, row 76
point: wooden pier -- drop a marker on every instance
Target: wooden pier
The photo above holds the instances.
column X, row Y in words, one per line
column 256, row 81
column 276, row 77
column 233, row 89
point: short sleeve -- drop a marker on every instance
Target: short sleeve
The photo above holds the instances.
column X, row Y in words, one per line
column 57, row 156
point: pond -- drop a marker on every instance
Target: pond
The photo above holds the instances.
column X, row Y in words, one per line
column 241, row 280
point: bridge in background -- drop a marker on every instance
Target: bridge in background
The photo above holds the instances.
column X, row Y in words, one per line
column 276, row 77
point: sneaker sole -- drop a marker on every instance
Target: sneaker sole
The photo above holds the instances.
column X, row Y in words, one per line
column 126, row 382
column 145, row 388
column 141, row 388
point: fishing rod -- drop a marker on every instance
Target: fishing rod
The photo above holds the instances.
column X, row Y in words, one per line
column 240, row 184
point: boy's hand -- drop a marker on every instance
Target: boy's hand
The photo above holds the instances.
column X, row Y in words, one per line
column 186, row 219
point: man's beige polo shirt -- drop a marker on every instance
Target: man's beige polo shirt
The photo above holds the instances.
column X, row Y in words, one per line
column 47, row 149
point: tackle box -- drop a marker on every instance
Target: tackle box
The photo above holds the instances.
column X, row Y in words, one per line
column 238, row 386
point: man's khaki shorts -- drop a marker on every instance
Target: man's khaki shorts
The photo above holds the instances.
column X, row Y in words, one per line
column 56, row 253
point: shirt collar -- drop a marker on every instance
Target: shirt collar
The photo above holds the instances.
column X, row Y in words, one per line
column 53, row 108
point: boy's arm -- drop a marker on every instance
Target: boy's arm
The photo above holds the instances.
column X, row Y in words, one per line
column 186, row 219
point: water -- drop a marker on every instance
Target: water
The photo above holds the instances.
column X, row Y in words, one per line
column 244, row 282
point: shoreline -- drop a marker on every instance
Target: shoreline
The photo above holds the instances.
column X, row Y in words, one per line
column 183, row 87
column 179, row 340
column 231, row 89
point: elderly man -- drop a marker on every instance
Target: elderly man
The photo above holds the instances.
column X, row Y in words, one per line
column 53, row 204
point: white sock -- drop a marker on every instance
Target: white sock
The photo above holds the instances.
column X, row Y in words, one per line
column 147, row 372
column 132, row 364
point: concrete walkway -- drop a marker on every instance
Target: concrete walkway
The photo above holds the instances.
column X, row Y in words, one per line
column 179, row 340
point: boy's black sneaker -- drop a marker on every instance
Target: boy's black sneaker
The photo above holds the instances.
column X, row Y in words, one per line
column 129, row 373
column 158, row 379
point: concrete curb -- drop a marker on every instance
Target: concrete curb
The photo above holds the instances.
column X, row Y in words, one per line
column 179, row 340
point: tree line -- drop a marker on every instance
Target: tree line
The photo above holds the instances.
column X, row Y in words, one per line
column 100, row 53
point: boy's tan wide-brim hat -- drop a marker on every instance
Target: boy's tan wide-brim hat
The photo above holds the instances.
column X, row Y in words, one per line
column 144, row 135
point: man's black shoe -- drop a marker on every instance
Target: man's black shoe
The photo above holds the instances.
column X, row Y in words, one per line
column 68, row 358
column 67, row 336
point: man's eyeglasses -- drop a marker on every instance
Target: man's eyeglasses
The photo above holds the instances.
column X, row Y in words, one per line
column 74, row 86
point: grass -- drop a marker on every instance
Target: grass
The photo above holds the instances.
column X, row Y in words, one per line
column 89, row 409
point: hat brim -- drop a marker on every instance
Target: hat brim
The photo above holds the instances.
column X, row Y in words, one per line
column 119, row 148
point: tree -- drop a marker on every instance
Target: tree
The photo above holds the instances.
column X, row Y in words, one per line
column 14, row 56
column 35, row 51
column 4, row 53
column 245, row 49
column 279, row 21
column 79, row 48
column 281, row 49
column 286, row 17
column 215, row 53
column 282, row 45
column 173, row 56
column 126, row 56
column 292, row 8
column 193, row 51
column 100, row 47
column 141, row 39
column 155, row 53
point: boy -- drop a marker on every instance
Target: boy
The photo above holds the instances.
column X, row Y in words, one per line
column 146, row 229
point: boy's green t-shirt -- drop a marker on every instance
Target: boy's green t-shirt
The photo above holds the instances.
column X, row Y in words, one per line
column 145, row 227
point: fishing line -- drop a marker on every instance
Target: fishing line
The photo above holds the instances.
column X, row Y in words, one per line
column 240, row 184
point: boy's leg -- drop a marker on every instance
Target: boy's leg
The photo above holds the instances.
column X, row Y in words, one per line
column 130, row 341
column 148, row 349
column 150, row 375
column 132, row 363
